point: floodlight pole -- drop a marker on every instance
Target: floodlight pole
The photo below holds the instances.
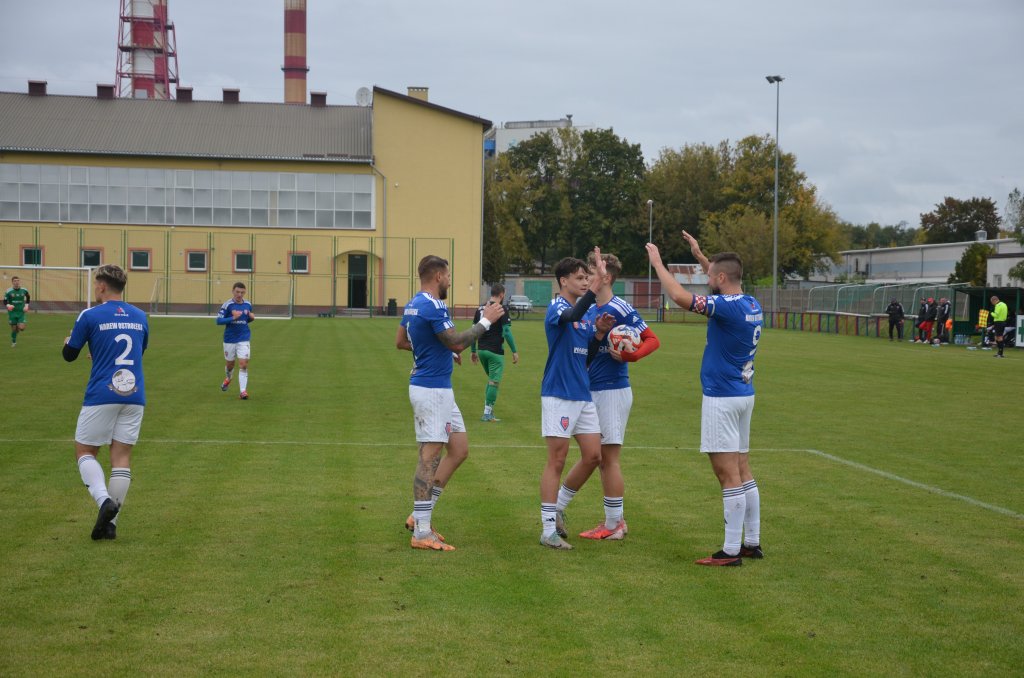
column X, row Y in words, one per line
column 777, row 81
column 650, row 238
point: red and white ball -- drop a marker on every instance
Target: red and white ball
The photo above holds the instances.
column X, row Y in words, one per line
column 624, row 338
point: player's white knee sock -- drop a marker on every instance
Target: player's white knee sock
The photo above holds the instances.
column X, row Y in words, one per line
column 735, row 503
column 612, row 512
column 547, row 519
column 488, row 409
column 435, row 494
column 243, row 378
column 565, row 495
column 92, row 476
column 752, row 516
column 120, row 480
column 421, row 514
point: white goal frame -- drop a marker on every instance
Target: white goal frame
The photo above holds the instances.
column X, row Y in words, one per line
column 43, row 292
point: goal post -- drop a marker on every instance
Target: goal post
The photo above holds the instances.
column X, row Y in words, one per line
column 272, row 296
column 54, row 289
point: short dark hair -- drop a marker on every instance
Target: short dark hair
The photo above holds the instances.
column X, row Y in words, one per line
column 496, row 289
column 611, row 263
column 567, row 266
column 431, row 264
column 238, row 285
column 113, row 275
column 14, row 277
column 730, row 264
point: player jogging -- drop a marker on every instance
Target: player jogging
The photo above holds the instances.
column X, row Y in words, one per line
column 567, row 409
column 16, row 299
column 726, row 375
column 236, row 314
column 613, row 398
column 491, row 355
column 117, row 334
column 428, row 331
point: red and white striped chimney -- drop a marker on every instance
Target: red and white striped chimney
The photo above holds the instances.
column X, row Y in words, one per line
column 295, row 52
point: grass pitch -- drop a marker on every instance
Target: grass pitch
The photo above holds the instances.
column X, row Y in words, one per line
column 265, row 537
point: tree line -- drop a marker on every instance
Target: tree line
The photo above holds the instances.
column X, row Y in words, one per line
column 560, row 192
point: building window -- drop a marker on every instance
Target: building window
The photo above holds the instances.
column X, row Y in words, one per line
column 31, row 256
column 196, row 260
column 140, row 260
column 298, row 262
column 997, row 280
column 243, row 262
column 92, row 257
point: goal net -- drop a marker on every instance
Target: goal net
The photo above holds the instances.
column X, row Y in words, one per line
column 52, row 288
column 270, row 295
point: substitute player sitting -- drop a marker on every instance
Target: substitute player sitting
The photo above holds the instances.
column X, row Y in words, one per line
column 117, row 334
column 613, row 397
column 16, row 299
column 236, row 314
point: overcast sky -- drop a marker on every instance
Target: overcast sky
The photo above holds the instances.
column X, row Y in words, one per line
column 889, row 105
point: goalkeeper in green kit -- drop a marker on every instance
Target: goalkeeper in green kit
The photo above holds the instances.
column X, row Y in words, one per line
column 491, row 355
column 16, row 300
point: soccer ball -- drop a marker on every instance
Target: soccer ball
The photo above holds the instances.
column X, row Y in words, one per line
column 624, row 338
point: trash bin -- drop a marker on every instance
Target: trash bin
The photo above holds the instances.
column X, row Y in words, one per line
column 392, row 307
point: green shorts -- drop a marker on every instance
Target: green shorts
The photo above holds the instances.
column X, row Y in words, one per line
column 16, row 317
column 493, row 364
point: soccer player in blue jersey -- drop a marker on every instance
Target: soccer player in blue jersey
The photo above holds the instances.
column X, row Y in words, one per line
column 567, row 409
column 236, row 314
column 735, row 320
column 613, row 397
column 429, row 332
column 117, row 334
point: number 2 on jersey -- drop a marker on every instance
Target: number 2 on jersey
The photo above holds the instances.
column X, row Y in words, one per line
column 121, row 359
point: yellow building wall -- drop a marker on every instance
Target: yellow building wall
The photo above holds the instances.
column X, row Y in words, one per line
column 433, row 162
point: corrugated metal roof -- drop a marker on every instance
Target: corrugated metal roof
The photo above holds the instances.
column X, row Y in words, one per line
column 77, row 124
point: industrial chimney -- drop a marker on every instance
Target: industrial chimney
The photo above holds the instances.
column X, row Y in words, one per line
column 295, row 52
column 147, row 56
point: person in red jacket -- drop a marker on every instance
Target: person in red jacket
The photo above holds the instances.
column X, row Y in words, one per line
column 613, row 397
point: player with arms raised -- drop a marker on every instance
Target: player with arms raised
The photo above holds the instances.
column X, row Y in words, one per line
column 735, row 320
column 429, row 332
column 236, row 314
column 16, row 299
column 567, row 409
column 117, row 334
column 613, row 397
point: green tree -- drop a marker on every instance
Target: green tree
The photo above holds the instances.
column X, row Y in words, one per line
column 507, row 215
column 1014, row 218
column 955, row 220
column 973, row 265
column 875, row 235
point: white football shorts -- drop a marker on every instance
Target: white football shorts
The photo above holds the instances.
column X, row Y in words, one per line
column 435, row 413
column 725, row 424
column 613, row 408
column 239, row 350
column 566, row 418
column 99, row 424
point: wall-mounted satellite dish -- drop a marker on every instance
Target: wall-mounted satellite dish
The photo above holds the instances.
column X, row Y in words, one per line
column 364, row 97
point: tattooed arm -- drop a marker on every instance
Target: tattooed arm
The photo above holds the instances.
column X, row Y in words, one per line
column 457, row 342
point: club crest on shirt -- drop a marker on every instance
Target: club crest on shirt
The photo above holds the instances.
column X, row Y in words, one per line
column 564, row 422
column 123, row 383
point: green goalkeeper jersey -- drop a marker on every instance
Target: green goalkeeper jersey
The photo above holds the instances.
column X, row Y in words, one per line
column 16, row 298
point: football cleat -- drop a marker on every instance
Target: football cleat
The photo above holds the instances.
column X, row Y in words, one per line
column 108, row 511
column 721, row 559
column 560, row 524
column 751, row 551
column 555, row 542
column 489, row 417
column 602, row 532
column 227, row 382
column 430, row 543
column 410, row 524
column 111, row 531
column 244, row 395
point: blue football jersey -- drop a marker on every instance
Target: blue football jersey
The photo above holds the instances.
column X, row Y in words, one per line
column 117, row 334
column 235, row 329
column 734, row 328
column 565, row 372
column 424, row 318
column 607, row 373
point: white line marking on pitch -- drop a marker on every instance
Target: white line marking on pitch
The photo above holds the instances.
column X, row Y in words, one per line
column 818, row 453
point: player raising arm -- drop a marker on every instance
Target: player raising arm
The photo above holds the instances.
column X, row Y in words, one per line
column 726, row 375
column 428, row 331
